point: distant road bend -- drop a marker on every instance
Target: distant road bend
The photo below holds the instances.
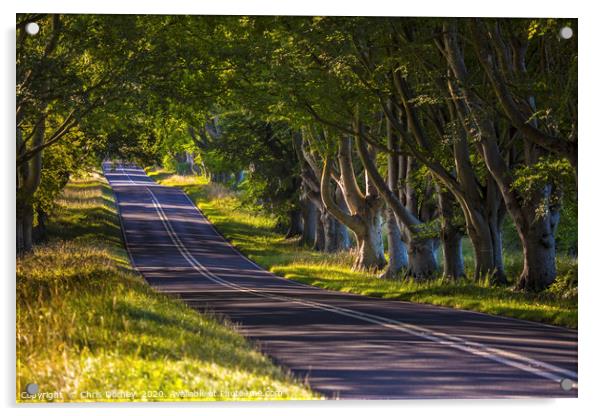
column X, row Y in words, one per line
column 347, row 346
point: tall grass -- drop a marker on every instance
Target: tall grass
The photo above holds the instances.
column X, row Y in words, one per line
column 253, row 233
column 90, row 329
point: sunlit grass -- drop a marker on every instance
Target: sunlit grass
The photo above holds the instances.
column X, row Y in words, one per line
column 253, row 233
column 88, row 326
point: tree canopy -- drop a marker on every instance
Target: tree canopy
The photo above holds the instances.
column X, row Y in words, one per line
column 424, row 129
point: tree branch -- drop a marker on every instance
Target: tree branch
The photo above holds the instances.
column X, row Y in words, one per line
column 351, row 221
column 403, row 215
column 556, row 145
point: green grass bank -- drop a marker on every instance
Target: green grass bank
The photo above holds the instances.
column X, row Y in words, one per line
column 253, row 233
column 89, row 328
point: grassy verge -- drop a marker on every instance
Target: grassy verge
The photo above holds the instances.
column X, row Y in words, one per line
column 253, row 234
column 90, row 329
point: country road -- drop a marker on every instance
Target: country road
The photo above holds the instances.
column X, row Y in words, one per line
column 347, row 346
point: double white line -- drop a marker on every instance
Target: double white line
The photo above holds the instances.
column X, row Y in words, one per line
column 536, row 367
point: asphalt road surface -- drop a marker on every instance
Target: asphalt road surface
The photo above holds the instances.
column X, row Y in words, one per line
column 347, row 346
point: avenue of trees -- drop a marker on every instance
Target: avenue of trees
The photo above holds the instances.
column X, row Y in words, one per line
column 428, row 133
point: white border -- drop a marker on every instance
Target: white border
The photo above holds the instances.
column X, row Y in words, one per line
column 589, row 202
column 510, row 8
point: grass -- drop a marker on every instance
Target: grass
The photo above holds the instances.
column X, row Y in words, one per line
column 253, row 233
column 91, row 329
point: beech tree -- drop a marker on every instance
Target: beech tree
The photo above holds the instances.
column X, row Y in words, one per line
column 534, row 213
column 324, row 232
column 427, row 127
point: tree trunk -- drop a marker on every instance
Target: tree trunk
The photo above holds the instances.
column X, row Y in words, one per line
column 343, row 239
column 498, row 275
column 319, row 242
column 342, row 232
column 485, row 267
column 451, row 235
column 453, row 259
column 484, row 232
column 295, row 223
column 539, row 249
column 39, row 234
column 27, row 221
column 28, row 180
column 370, row 249
column 309, row 212
column 539, row 268
column 495, row 212
column 398, row 253
column 422, row 263
column 330, row 231
column 20, row 236
column 190, row 162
